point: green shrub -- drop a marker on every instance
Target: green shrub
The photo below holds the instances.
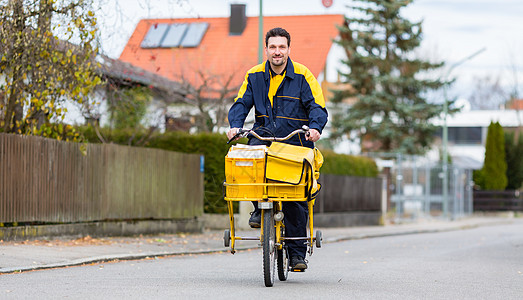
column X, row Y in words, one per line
column 349, row 165
column 514, row 158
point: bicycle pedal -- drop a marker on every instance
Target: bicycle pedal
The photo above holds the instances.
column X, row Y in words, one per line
column 297, row 270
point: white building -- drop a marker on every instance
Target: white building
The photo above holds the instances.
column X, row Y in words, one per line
column 467, row 134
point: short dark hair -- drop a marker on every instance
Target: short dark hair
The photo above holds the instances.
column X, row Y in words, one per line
column 277, row 32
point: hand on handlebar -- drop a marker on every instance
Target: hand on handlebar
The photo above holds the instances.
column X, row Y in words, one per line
column 232, row 132
column 313, row 135
column 235, row 133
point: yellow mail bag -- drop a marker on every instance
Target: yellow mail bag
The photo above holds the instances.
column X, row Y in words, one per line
column 292, row 164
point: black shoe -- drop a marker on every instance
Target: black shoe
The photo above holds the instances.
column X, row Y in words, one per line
column 298, row 264
column 255, row 219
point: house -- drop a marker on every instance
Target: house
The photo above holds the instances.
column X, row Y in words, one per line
column 467, row 134
column 515, row 104
column 210, row 56
column 119, row 75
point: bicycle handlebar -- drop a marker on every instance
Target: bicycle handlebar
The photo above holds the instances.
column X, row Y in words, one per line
column 242, row 132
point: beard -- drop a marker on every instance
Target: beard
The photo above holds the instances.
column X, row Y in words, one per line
column 281, row 61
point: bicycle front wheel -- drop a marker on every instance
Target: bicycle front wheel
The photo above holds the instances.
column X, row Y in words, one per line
column 269, row 247
column 283, row 264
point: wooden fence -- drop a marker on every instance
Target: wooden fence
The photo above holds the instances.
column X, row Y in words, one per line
column 497, row 201
column 349, row 194
column 49, row 181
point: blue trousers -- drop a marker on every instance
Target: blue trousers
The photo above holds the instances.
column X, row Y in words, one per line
column 296, row 214
column 295, row 220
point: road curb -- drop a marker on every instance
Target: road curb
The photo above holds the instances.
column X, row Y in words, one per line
column 417, row 231
column 153, row 254
column 115, row 257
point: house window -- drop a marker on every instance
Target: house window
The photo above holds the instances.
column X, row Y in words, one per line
column 187, row 35
column 463, row 135
column 178, row 124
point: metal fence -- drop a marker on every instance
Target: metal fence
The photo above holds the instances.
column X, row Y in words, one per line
column 416, row 188
column 43, row 180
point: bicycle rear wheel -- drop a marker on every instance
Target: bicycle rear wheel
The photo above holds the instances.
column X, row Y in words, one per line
column 269, row 247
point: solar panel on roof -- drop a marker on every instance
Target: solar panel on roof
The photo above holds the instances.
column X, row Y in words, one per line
column 154, row 36
column 194, row 34
column 174, row 35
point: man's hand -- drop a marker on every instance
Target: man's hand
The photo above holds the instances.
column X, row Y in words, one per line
column 232, row 132
column 314, row 135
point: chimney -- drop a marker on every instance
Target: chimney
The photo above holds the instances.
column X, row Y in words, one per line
column 238, row 19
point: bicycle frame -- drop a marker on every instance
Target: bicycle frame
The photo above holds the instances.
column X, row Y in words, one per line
column 268, row 202
column 272, row 176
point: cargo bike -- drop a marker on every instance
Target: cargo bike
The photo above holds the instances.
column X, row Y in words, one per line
column 272, row 175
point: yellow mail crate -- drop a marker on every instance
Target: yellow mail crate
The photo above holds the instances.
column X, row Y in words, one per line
column 245, row 165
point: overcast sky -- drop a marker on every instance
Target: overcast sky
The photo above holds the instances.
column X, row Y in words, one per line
column 453, row 29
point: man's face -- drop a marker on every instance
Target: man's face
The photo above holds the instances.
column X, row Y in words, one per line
column 277, row 50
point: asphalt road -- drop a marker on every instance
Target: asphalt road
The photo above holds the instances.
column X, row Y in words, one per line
column 480, row 263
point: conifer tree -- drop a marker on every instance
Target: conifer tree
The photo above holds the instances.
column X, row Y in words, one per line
column 514, row 158
column 390, row 109
column 493, row 174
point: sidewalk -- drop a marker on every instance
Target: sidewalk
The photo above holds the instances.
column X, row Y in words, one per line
column 44, row 254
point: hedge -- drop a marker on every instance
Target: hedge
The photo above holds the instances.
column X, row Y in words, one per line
column 214, row 147
column 349, row 165
column 514, row 158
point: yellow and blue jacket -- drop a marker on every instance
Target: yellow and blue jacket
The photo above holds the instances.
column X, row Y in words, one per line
column 297, row 101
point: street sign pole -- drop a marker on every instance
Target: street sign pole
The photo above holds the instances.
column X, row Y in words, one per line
column 260, row 34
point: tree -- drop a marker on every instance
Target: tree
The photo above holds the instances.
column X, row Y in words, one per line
column 128, row 107
column 48, row 49
column 493, row 175
column 488, row 93
column 514, row 158
column 208, row 95
column 390, row 108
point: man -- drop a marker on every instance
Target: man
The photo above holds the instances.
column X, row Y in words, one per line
column 285, row 96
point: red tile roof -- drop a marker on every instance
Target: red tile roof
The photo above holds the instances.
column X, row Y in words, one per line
column 516, row 104
column 221, row 54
